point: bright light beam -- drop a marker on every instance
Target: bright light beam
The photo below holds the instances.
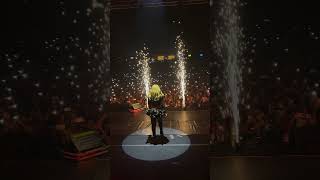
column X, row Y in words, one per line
column 229, row 47
column 181, row 72
column 143, row 61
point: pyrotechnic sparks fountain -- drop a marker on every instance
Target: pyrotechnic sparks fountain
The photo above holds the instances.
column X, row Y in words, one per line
column 228, row 46
column 181, row 72
column 143, row 62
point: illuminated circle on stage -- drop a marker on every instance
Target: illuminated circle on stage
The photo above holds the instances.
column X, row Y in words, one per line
column 135, row 145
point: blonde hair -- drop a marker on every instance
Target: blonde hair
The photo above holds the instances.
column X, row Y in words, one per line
column 155, row 93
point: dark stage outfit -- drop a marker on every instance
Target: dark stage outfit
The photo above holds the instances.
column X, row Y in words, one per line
column 156, row 112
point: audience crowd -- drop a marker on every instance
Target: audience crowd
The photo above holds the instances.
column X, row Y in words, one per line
column 282, row 107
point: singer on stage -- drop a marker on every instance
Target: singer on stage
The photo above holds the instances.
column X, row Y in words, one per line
column 156, row 109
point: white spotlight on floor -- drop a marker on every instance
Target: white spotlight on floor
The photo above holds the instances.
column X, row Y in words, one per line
column 135, row 145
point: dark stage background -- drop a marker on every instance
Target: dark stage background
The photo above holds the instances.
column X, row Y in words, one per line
column 58, row 59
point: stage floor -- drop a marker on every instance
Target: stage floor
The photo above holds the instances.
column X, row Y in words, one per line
column 265, row 168
column 189, row 122
column 56, row 169
column 184, row 157
column 194, row 163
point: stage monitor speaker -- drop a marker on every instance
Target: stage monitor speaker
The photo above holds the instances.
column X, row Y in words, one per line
column 86, row 140
column 136, row 106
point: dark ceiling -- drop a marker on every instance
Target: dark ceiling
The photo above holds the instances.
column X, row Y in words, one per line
column 130, row 4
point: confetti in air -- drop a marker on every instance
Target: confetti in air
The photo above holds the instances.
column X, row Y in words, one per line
column 181, row 72
column 143, row 62
column 69, row 69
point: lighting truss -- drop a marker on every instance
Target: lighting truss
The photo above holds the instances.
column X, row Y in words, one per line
column 132, row 4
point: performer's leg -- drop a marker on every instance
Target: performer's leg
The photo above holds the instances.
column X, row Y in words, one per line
column 154, row 125
column 160, row 125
